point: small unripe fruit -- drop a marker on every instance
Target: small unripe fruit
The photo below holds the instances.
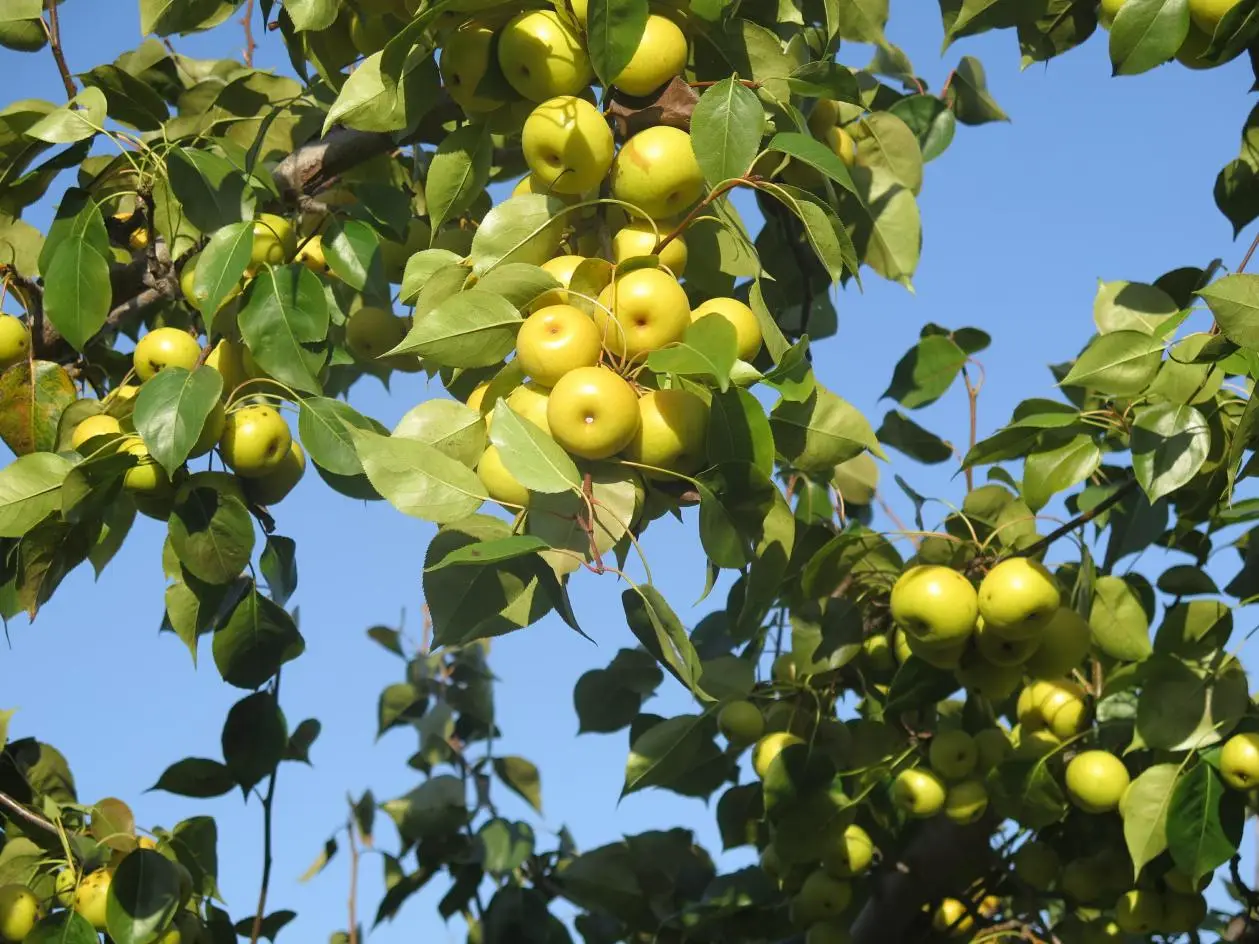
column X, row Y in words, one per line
column 740, row 722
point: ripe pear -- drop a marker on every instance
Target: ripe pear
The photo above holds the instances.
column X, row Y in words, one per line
column 555, row 340
column 672, row 433
column 211, row 432
column 842, row 144
column 1107, row 11
column 934, row 604
column 562, row 269
column 372, row 332
column 747, row 329
column 20, row 911
column 953, row 754
column 878, row 655
column 850, row 853
column 15, row 341
column 919, row 793
column 951, row 917
column 656, row 172
column 542, row 56
column 1139, row 911
column 145, row 478
column 1239, row 761
column 592, row 412
column 661, row 54
column 499, row 483
column 255, row 441
column 1002, row 651
column 1034, row 744
column 227, row 358
column 966, row 801
column 941, row 655
column 823, row 116
column 994, row 682
column 741, row 723
column 1018, row 597
column 767, row 749
column 642, row 311
column 91, row 897
column 1096, row 781
column 1206, row 14
column 1064, row 642
column 465, row 59
column 274, row 486
column 567, row 144
column 162, row 348
column 92, row 427
column 275, row 241
column 311, row 255
column 529, row 401
column 639, row 238
column 821, row 897
column 1058, row 705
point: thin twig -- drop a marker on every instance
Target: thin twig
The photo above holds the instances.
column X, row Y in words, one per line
column 915, row 540
column 699, row 208
column 247, row 22
column 1254, row 244
column 972, row 396
column 353, row 831
column 267, row 804
column 29, row 815
column 1079, row 520
column 54, row 42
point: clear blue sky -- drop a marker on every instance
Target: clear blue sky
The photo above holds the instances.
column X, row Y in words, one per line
column 1096, row 178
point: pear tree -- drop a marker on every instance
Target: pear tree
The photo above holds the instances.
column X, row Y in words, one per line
column 992, row 727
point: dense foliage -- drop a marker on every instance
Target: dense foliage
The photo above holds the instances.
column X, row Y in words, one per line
column 962, row 743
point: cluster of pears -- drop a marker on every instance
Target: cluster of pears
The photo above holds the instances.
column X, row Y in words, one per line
column 583, row 346
column 816, row 849
column 1166, row 903
column 1204, row 18
column 87, row 894
column 251, row 436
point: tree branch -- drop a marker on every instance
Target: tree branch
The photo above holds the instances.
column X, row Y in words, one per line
column 17, row 809
column 314, row 165
column 1080, row 520
column 54, row 41
column 942, row 859
column 247, row 22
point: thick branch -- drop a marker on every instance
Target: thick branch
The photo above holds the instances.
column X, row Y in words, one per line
column 1080, row 520
column 942, row 859
column 314, row 165
column 54, row 41
column 30, row 816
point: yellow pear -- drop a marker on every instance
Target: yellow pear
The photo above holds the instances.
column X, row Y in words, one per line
column 648, row 310
column 273, row 487
column 15, row 341
column 934, row 604
column 592, row 412
column 747, row 330
column 255, row 441
column 661, row 54
column 529, row 401
column 542, row 56
column 556, row 339
column 162, row 348
column 464, row 61
column 92, row 427
column 639, row 238
column 561, row 268
column 656, row 172
column 1018, row 597
column 371, row 332
column 567, row 144
column 671, row 433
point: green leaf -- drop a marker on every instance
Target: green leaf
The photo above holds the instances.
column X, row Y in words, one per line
column 79, row 119
column 861, row 21
column 283, row 321
column 522, row 778
column 489, row 552
column 471, row 329
column 926, row 372
column 451, row 427
column 1120, row 626
column 324, row 426
column 1051, row 471
column 660, row 631
column 665, row 752
column 301, row 741
column 726, row 130
column 826, row 234
column 1144, row 810
column 278, row 564
column 968, row 95
column 819, row 433
column 520, row 283
column 1234, row 300
column 1121, row 363
column 1183, row 708
column 255, row 641
column 1170, row 443
column 708, row 349
column 212, row 533
column 889, row 239
column 886, row 143
column 77, row 291
column 930, row 120
column 33, row 395
column 739, row 430
column 1131, row 306
column 221, row 265
column 254, row 739
column 918, row 684
column 614, row 29
column 399, row 704
column 171, row 411
column 530, row 455
column 1204, row 823
column 1146, row 33
column 64, row 927
column 167, row 17
column 904, row 435
column 211, row 191
column 196, row 777
column 352, row 249
column 505, row 846
column 458, row 174
column 521, row 229
column 418, row 479
column 144, row 897
column 30, row 491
